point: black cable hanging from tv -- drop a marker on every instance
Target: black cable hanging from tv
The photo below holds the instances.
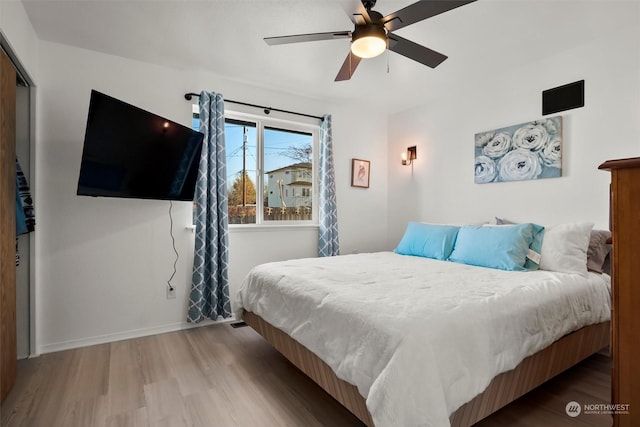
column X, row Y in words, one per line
column 267, row 110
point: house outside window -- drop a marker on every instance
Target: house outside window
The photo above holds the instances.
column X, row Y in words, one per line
column 276, row 156
column 297, row 178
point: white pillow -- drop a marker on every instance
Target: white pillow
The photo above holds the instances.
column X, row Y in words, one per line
column 564, row 248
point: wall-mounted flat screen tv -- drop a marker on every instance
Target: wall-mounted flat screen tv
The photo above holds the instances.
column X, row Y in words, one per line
column 129, row 152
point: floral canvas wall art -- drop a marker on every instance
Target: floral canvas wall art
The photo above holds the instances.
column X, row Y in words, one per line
column 526, row 151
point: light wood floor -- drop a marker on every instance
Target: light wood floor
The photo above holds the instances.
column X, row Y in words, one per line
column 218, row 376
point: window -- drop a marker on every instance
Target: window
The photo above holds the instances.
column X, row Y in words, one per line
column 270, row 169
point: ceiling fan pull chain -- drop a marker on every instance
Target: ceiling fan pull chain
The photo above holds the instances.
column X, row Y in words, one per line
column 387, row 56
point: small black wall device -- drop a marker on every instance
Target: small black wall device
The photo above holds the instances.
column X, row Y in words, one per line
column 563, row 98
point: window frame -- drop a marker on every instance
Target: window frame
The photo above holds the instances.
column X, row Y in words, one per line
column 261, row 123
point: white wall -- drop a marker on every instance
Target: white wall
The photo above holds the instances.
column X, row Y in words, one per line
column 440, row 186
column 363, row 135
column 104, row 262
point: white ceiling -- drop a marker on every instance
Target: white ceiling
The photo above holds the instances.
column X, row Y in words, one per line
column 225, row 37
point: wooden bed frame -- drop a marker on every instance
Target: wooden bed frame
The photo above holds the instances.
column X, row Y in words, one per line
column 504, row 389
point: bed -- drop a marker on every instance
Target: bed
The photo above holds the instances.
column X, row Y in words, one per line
column 415, row 341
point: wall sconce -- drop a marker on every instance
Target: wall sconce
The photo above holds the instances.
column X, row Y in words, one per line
column 410, row 155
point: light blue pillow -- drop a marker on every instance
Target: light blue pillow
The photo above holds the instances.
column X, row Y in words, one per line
column 504, row 248
column 428, row 240
column 533, row 258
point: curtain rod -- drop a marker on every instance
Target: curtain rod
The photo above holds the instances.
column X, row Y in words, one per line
column 266, row 110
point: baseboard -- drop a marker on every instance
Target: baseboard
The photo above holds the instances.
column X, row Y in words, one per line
column 126, row 335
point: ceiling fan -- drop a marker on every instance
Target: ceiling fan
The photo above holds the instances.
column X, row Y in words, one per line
column 373, row 34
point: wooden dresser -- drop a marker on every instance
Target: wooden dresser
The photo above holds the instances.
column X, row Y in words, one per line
column 625, row 262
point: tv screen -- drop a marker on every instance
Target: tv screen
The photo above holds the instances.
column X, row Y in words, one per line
column 130, row 152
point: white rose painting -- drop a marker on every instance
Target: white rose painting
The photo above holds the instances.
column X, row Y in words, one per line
column 530, row 150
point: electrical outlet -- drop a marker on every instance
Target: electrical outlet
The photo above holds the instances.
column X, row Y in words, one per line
column 171, row 293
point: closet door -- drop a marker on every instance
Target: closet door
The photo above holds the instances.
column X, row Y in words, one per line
column 8, row 353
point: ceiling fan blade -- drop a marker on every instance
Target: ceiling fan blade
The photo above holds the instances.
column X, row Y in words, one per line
column 356, row 11
column 414, row 51
column 362, row 11
column 300, row 38
column 419, row 11
column 348, row 67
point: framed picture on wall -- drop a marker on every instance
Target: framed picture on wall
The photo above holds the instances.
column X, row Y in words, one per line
column 360, row 173
column 525, row 151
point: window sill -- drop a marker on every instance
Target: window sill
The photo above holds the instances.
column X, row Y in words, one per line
column 251, row 228
column 243, row 228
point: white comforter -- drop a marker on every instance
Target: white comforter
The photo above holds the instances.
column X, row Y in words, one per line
column 419, row 337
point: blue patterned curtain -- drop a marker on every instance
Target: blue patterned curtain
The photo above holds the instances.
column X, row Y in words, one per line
column 210, row 284
column 328, row 244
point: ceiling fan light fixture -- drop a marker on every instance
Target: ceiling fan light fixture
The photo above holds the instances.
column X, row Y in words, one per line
column 374, row 33
column 369, row 41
